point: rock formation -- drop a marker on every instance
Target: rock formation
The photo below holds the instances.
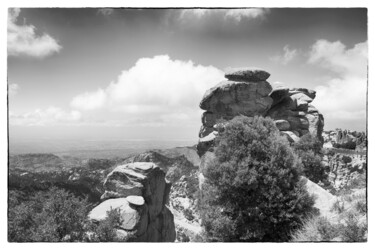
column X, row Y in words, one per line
column 346, row 139
column 140, row 192
column 350, row 139
column 246, row 92
column 183, row 203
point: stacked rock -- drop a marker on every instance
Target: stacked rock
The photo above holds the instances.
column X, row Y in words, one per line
column 140, row 192
column 246, row 92
column 293, row 113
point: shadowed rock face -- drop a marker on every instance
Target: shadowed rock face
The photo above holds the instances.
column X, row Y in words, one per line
column 140, row 192
column 294, row 114
column 248, row 93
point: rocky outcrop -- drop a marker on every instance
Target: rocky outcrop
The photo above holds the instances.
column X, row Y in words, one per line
column 246, row 92
column 345, row 139
column 350, row 139
column 293, row 113
column 140, row 192
column 183, row 203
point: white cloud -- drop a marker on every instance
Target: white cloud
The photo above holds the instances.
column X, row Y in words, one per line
column 287, row 56
column 22, row 39
column 227, row 14
column 239, row 14
column 13, row 89
column 105, row 11
column 50, row 116
column 156, row 89
column 90, row 101
column 342, row 97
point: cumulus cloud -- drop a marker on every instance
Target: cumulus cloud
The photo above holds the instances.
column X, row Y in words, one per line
column 287, row 56
column 155, row 90
column 50, row 116
column 23, row 40
column 105, row 11
column 235, row 15
column 90, row 101
column 13, row 89
column 342, row 97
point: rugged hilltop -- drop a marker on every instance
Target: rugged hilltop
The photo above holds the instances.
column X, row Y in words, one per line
column 247, row 92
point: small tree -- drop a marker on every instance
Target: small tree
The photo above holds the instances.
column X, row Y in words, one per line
column 309, row 149
column 252, row 190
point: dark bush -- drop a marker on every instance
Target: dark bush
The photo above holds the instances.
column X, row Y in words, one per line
column 309, row 150
column 55, row 215
column 253, row 190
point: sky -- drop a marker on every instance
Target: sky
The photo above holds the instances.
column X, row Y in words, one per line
column 108, row 74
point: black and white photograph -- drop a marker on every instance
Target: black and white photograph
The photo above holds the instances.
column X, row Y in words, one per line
column 186, row 124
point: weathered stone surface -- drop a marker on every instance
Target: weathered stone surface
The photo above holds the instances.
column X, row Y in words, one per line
column 246, row 74
column 279, row 94
column 129, row 215
column 308, row 92
column 282, row 125
column 205, row 131
column 139, row 190
column 135, row 200
column 291, row 136
column 231, row 98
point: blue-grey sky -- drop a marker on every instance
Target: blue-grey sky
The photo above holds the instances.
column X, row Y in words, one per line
column 140, row 73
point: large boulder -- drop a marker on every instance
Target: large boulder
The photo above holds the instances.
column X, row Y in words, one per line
column 231, row 98
column 140, row 192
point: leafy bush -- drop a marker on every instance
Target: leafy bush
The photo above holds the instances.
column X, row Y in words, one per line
column 105, row 230
column 55, row 215
column 316, row 228
column 252, row 190
column 346, row 159
column 353, row 230
column 308, row 149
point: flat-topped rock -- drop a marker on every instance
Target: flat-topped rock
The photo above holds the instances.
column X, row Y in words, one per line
column 135, row 200
column 246, row 74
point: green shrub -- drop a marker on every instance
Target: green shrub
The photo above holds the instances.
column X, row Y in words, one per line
column 252, row 190
column 55, row 215
column 309, row 150
column 316, row 228
column 361, row 206
column 346, row 159
column 353, row 230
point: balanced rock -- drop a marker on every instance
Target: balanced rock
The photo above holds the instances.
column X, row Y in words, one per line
column 248, row 93
column 246, row 74
column 140, row 192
